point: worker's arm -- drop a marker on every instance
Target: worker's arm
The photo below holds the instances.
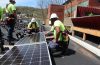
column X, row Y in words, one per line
column 50, row 31
column 1, row 16
column 14, row 11
column 1, row 13
column 57, row 33
column 49, row 34
column 37, row 24
column 29, row 26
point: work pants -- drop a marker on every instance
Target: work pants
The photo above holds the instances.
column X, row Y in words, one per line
column 1, row 41
column 10, row 25
column 63, row 46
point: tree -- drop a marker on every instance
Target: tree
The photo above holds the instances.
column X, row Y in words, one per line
column 42, row 7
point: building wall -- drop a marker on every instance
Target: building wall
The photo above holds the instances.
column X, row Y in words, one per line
column 74, row 3
column 58, row 9
column 72, row 6
column 69, row 9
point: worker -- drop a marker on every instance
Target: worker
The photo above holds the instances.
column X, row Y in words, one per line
column 33, row 26
column 11, row 14
column 59, row 32
column 1, row 39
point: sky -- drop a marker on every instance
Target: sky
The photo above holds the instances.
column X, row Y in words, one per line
column 32, row 3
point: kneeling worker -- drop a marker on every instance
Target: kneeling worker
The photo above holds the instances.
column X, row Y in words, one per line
column 59, row 32
column 33, row 26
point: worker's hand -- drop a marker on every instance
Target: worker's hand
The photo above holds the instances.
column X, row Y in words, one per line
column 55, row 41
column 28, row 30
column 1, row 22
column 9, row 18
column 46, row 32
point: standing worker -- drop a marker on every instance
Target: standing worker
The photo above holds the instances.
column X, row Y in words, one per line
column 33, row 26
column 59, row 33
column 11, row 14
column 1, row 39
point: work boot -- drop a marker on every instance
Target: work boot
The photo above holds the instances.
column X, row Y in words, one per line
column 10, row 43
column 2, row 48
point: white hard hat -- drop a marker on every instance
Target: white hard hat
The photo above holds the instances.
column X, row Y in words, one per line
column 53, row 15
column 33, row 20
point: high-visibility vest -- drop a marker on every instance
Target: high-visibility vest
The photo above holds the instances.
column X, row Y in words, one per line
column 33, row 25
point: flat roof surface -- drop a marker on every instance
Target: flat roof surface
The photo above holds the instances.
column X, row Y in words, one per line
column 76, row 56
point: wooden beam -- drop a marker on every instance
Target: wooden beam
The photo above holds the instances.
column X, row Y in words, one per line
column 87, row 31
column 73, row 33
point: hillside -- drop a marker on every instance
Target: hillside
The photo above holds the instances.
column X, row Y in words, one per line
column 30, row 11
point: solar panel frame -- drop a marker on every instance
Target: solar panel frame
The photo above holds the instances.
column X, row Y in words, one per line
column 32, row 39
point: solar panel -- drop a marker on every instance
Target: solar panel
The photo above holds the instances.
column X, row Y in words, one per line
column 35, row 54
column 36, row 37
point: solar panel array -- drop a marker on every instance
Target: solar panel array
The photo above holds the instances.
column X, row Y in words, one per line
column 35, row 54
column 27, row 52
